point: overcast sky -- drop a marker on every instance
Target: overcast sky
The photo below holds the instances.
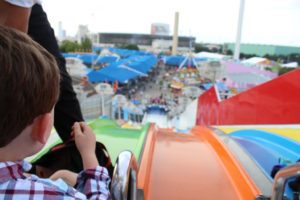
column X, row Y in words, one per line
column 265, row 21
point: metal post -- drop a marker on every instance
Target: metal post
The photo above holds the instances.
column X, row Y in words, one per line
column 239, row 31
column 175, row 34
column 119, row 111
column 102, row 104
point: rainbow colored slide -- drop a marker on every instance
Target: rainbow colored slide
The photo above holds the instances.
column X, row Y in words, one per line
column 215, row 160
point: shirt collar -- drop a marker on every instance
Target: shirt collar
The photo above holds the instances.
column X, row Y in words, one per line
column 13, row 170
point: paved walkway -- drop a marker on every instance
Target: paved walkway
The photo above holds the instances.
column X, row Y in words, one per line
column 157, row 87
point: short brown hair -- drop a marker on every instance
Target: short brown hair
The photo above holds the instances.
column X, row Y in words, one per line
column 29, row 83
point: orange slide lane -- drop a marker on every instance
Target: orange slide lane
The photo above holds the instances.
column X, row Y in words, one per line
column 191, row 166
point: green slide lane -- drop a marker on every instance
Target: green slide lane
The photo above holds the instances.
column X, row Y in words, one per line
column 117, row 139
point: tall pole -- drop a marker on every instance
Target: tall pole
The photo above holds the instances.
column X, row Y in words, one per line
column 175, row 34
column 239, row 31
column 102, row 104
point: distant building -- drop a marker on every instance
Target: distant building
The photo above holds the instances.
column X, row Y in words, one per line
column 83, row 32
column 160, row 29
column 61, row 32
column 94, row 38
column 261, row 49
column 146, row 42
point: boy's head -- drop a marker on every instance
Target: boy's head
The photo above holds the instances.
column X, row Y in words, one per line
column 29, row 83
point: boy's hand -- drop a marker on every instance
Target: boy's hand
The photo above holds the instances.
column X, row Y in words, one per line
column 85, row 141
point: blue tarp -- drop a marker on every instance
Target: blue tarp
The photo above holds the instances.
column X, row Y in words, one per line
column 112, row 73
column 88, row 58
column 106, row 59
column 137, row 64
column 92, row 58
column 174, row 60
column 96, row 49
column 177, row 60
column 143, row 64
column 96, row 76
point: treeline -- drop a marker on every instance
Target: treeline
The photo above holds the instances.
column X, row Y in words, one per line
column 128, row 46
column 279, row 59
column 86, row 46
column 74, row 46
column 202, row 47
column 220, row 49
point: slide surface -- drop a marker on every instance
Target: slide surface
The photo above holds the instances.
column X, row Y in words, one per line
column 117, row 139
column 191, row 166
column 268, row 148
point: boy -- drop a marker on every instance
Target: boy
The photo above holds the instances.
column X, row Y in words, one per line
column 29, row 17
column 29, row 87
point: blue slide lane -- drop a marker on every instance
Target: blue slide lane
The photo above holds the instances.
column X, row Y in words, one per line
column 267, row 148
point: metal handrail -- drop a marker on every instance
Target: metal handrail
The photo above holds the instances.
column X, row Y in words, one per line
column 280, row 180
column 124, row 180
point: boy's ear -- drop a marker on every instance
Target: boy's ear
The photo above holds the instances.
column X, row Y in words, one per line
column 40, row 127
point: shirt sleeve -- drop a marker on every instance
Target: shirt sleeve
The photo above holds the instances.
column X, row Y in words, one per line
column 23, row 3
column 94, row 183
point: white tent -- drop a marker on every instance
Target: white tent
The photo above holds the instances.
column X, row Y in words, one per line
column 75, row 67
column 254, row 61
column 209, row 55
column 290, row 65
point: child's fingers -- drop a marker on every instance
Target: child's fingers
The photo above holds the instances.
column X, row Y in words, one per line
column 77, row 129
column 83, row 124
column 72, row 134
column 84, row 127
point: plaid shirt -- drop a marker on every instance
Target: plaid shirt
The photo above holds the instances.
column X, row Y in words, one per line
column 91, row 184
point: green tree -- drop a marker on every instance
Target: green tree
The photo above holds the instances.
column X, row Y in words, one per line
column 86, row 44
column 215, row 50
column 129, row 46
column 69, row 46
column 284, row 70
column 200, row 47
column 229, row 52
column 294, row 57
